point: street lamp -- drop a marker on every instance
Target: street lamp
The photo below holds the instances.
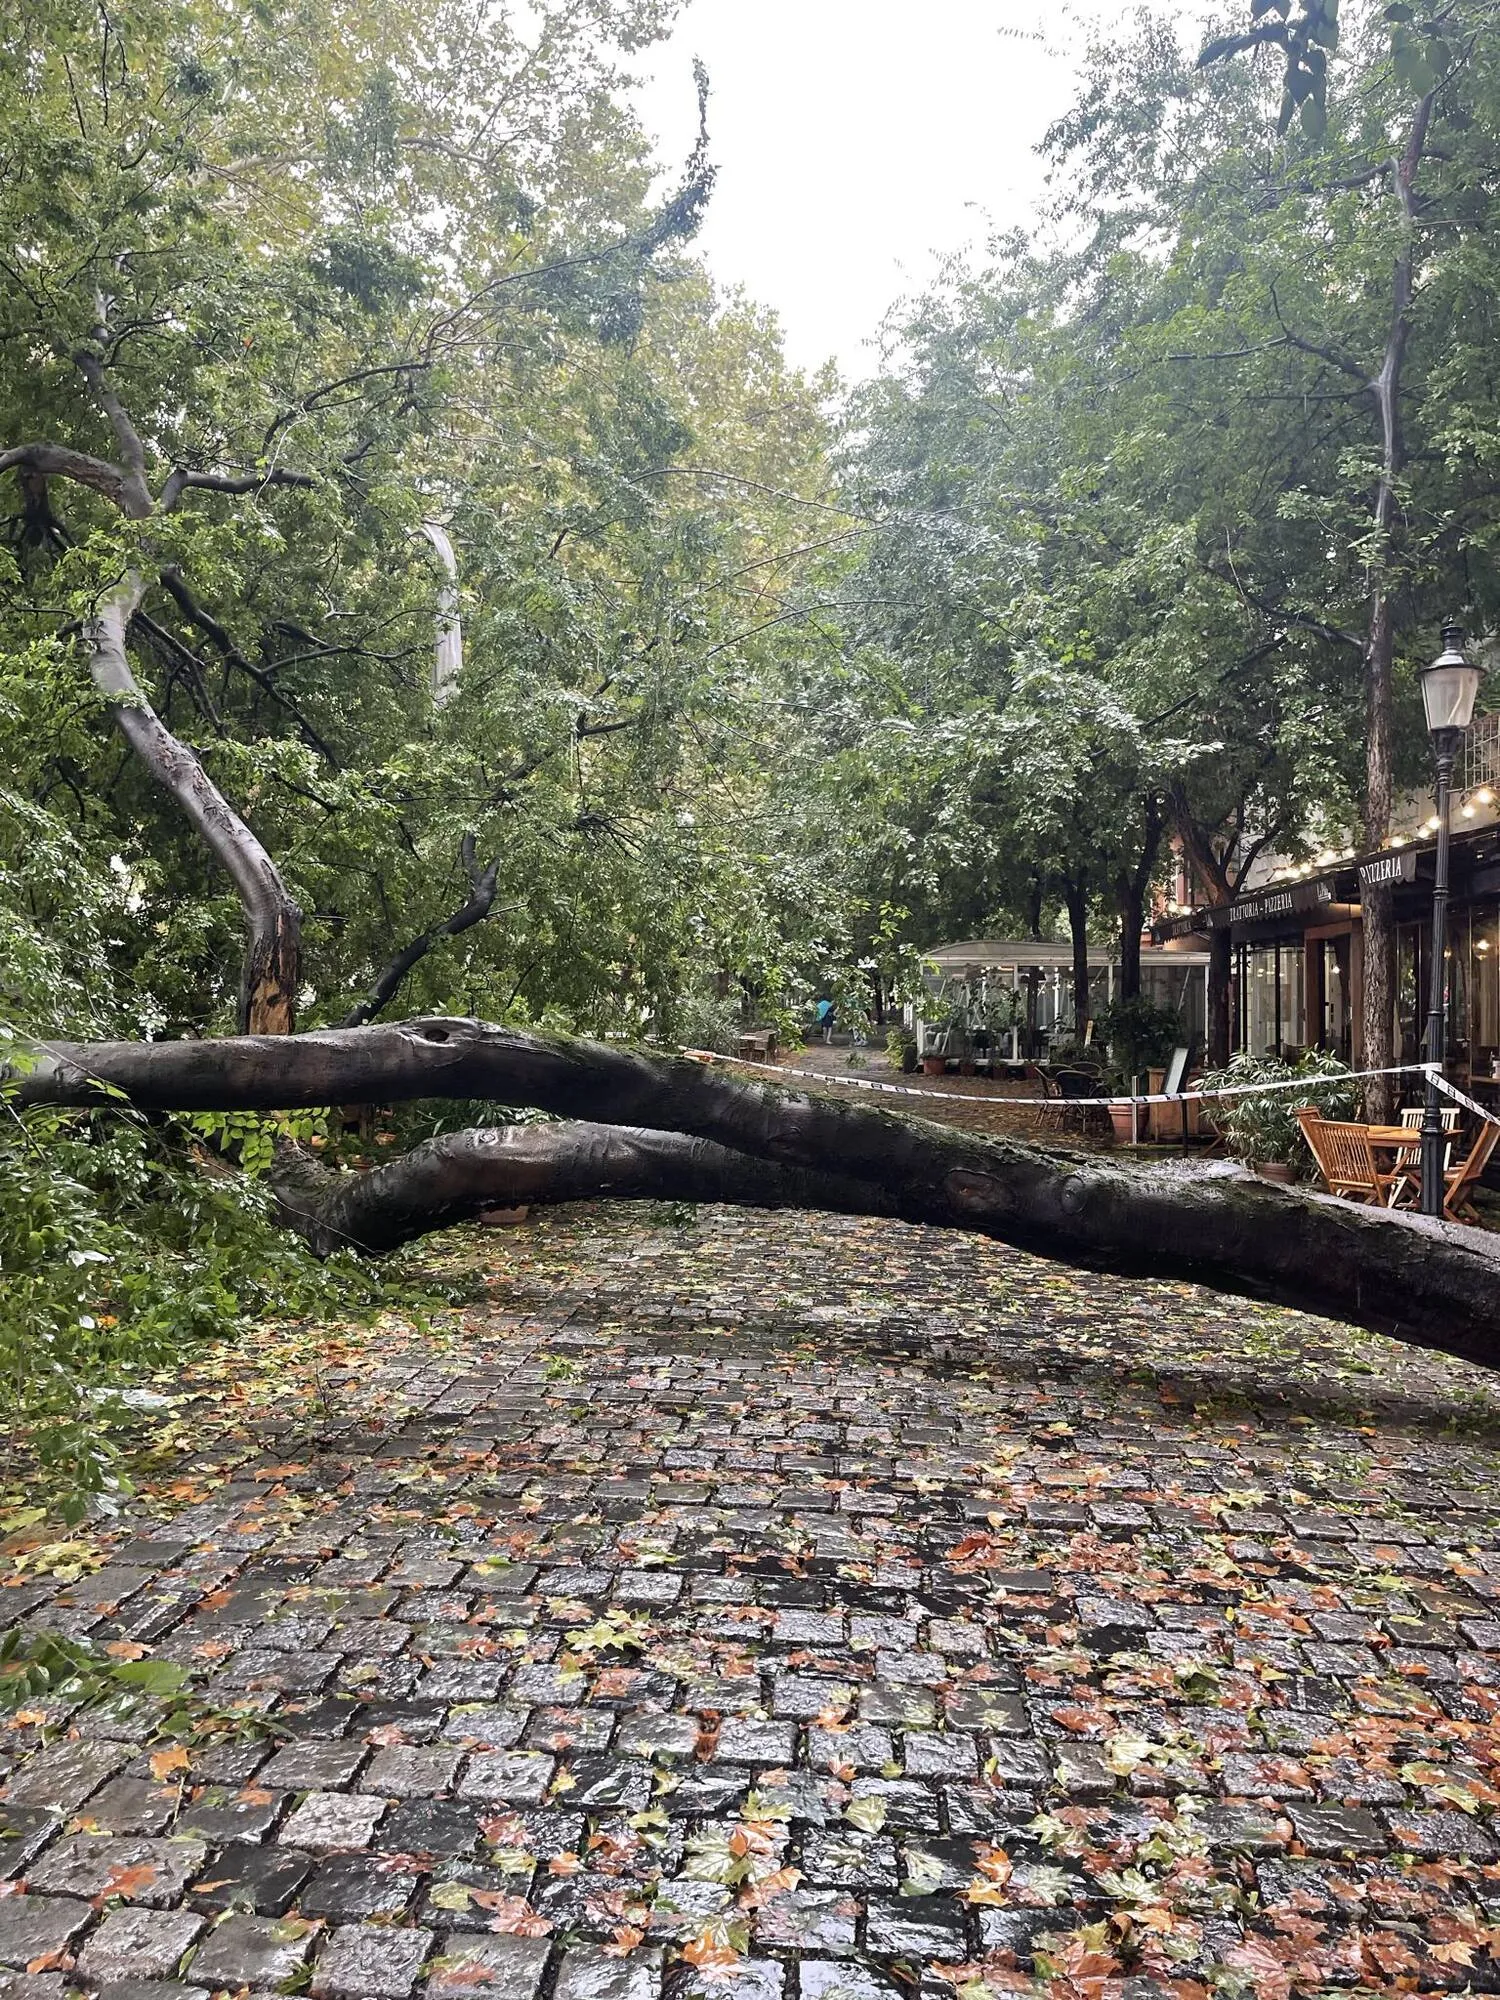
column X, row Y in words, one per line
column 1449, row 686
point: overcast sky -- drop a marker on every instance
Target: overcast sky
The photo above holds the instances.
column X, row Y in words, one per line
column 856, row 138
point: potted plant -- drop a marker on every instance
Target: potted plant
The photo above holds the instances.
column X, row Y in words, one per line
column 1262, row 1129
column 1141, row 1037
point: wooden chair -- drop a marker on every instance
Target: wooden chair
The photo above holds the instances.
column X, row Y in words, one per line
column 1460, row 1180
column 1344, row 1155
column 1406, row 1170
column 1051, row 1117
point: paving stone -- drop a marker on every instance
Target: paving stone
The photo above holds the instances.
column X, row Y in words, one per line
column 587, row 1973
column 139, row 1870
column 138, row 1944
column 59, row 1778
column 430, row 1826
column 829, row 1979
column 328, row 1821
column 665, row 1736
column 809, row 1920
column 849, row 1860
column 929, row 1755
column 473, row 1966
column 863, row 1745
column 251, row 1951
column 33, row 1927
column 408, row 1772
column 131, row 1805
column 24, row 1832
column 262, row 1879
column 314, row 1766
column 754, row 1979
column 1339, row 1830
column 484, row 1726
column 919, row 1927
column 1448, row 1834
column 223, row 1816
column 747, row 1740
column 515, row 1777
column 351, row 1887
column 370, row 1962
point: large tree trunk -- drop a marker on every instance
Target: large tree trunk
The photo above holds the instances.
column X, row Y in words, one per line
column 1220, row 961
column 1432, row 1283
column 270, row 969
column 460, row 1174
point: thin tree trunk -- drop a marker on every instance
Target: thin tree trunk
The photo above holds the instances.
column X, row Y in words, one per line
column 481, row 904
column 1075, row 897
column 1379, row 903
column 1431, row 1283
column 1132, row 886
column 273, row 923
column 1219, row 964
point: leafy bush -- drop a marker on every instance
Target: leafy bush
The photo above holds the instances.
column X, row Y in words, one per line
column 122, row 1243
column 1265, row 1127
column 1140, row 1035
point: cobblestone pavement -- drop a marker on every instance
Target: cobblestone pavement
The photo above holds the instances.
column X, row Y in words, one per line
column 791, row 1606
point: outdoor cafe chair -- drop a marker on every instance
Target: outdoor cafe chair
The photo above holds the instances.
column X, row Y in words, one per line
column 1459, row 1181
column 1345, row 1157
column 1406, row 1168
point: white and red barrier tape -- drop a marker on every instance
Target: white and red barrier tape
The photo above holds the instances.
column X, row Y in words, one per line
column 1303, row 1083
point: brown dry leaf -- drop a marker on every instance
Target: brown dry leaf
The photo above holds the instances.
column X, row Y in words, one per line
column 624, row 1940
column 512, row 1916
column 126, row 1649
column 165, row 1762
column 128, row 1881
column 711, row 1954
column 769, row 1887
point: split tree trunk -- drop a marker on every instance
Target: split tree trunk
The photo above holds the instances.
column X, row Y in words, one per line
column 273, row 924
column 1432, row 1283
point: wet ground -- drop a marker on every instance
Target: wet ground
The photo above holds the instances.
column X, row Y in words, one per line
column 792, row 1608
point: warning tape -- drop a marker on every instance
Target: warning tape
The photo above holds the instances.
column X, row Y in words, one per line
column 1084, row 1103
column 1459, row 1097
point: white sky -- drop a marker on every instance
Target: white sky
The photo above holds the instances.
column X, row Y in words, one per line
column 857, row 138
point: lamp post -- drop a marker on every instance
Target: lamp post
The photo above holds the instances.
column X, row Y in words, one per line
column 1449, row 686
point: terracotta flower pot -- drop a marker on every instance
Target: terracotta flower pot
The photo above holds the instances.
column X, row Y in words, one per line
column 934, row 1065
column 1276, row 1170
column 1119, row 1118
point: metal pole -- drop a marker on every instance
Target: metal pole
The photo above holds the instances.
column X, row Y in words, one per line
column 1445, row 742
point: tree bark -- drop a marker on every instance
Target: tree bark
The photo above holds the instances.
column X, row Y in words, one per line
column 458, row 1175
column 273, row 923
column 1075, row 898
column 1219, row 965
column 1432, row 1283
column 1379, row 903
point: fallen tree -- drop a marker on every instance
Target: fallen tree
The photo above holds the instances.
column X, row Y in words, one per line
column 671, row 1127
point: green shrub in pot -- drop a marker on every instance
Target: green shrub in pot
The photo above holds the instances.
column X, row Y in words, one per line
column 1141, row 1036
column 1264, row 1126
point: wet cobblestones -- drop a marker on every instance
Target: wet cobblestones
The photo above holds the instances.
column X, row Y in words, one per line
column 800, row 1609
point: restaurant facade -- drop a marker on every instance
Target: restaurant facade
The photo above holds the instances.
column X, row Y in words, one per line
column 1297, row 939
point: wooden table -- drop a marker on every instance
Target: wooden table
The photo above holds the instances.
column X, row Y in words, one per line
column 1391, row 1138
